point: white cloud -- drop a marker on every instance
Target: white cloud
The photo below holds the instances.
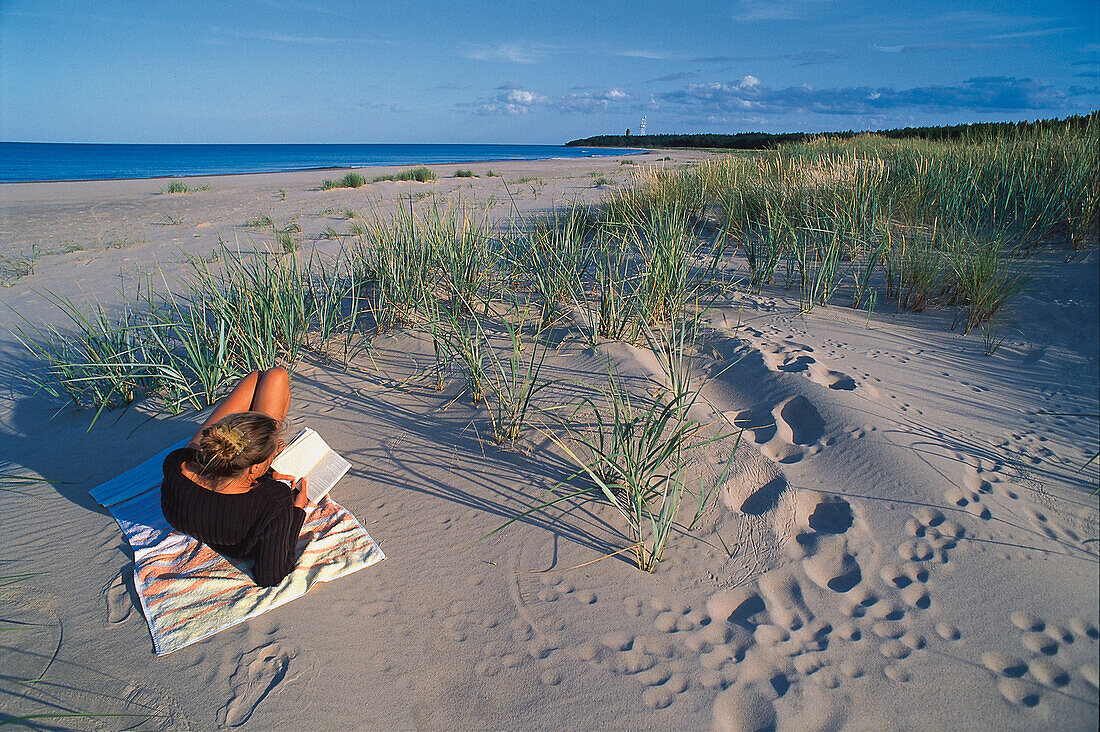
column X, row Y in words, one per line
column 643, row 53
column 753, row 10
column 1029, row 34
column 519, row 96
column 512, row 100
column 511, row 52
column 979, row 94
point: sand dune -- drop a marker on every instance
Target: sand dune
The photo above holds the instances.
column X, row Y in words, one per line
column 906, row 539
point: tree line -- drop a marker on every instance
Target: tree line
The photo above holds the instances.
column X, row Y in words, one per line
column 768, row 140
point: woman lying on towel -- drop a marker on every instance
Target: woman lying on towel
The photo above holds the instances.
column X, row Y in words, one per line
column 220, row 489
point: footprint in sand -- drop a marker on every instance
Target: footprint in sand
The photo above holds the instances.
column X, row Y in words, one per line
column 968, row 500
column 1050, row 648
column 831, row 379
column 755, row 486
column 786, row 630
column 935, row 535
column 798, row 422
column 258, row 673
column 795, row 429
column 117, row 594
column 744, row 710
column 793, row 358
column 757, row 511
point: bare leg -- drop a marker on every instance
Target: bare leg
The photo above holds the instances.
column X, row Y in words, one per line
column 238, row 400
column 272, row 394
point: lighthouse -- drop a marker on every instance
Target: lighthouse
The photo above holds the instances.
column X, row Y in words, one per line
column 641, row 127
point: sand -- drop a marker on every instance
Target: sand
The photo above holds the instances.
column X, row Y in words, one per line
column 911, row 541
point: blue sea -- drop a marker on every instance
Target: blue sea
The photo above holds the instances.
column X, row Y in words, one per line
column 35, row 161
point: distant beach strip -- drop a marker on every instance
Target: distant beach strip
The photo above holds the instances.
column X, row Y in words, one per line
column 22, row 162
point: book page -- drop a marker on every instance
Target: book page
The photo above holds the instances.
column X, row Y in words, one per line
column 301, row 455
column 309, row 456
column 324, row 474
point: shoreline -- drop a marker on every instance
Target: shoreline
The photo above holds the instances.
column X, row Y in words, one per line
column 59, row 215
column 631, row 151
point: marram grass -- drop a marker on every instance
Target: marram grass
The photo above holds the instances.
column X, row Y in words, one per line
column 920, row 224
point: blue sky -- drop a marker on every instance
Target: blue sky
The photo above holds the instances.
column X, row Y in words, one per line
column 531, row 72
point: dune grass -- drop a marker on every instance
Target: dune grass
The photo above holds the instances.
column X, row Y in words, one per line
column 178, row 186
column 262, row 221
column 514, row 377
column 465, row 173
column 920, row 224
column 234, row 313
column 350, row 180
column 421, row 174
column 18, row 266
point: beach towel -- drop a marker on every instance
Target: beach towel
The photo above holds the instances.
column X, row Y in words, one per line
column 188, row 591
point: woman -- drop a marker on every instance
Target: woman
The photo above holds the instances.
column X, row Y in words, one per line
column 220, row 489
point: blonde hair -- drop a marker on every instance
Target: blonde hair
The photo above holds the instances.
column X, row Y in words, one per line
column 235, row 443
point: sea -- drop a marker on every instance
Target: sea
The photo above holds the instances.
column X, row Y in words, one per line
column 39, row 161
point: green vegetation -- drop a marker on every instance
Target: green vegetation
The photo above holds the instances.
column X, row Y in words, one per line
column 18, row 266
column 924, row 223
column 860, row 221
column 263, row 221
column 178, row 186
column 420, row 174
column 463, row 173
column 288, row 237
column 350, row 180
column 770, row 141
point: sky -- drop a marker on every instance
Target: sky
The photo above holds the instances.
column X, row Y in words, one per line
column 531, row 72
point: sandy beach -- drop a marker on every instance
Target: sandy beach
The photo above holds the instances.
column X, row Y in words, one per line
column 906, row 538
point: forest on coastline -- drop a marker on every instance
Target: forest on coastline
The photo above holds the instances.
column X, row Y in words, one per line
column 768, row 140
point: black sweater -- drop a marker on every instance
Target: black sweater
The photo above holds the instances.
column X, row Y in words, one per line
column 262, row 524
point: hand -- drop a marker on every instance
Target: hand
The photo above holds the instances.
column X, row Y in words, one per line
column 301, row 500
column 280, row 476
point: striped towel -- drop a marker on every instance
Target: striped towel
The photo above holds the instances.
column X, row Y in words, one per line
column 190, row 592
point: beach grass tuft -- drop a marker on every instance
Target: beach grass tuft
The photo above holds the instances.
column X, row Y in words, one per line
column 17, row 266
column 178, row 186
column 262, row 221
column 421, row 174
column 350, row 180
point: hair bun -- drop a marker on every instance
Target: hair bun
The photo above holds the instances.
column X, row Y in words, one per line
column 225, row 442
column 236, row 442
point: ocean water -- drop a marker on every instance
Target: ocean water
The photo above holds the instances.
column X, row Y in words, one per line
column 36, row 161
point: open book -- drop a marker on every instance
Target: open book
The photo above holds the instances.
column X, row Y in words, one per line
column 310, row 457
